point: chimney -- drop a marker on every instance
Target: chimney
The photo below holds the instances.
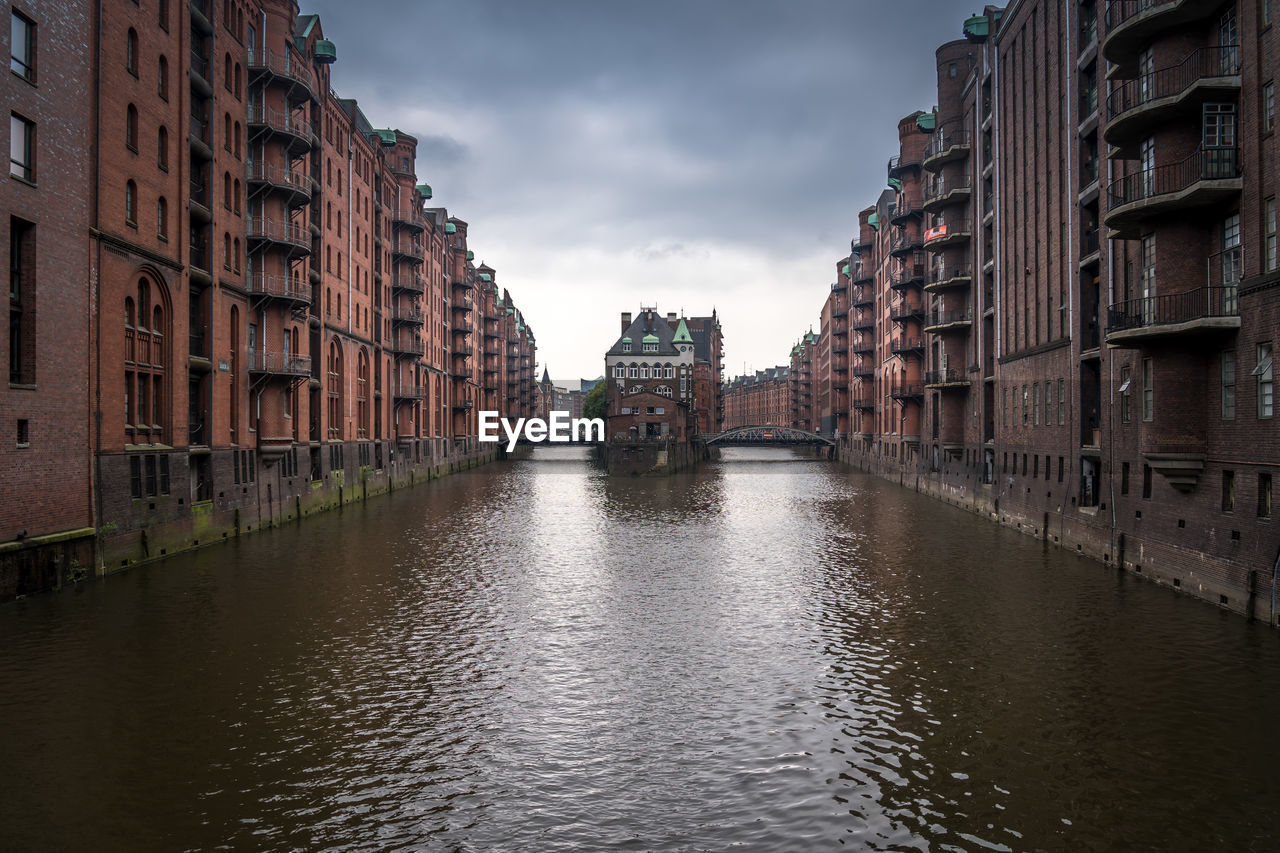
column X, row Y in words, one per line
column 671, row 318
column 626, row 321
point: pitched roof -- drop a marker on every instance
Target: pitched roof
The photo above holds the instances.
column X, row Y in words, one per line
column 648, row 326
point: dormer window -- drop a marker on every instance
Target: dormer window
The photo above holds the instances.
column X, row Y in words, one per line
column 626, row 344
column 650, row 347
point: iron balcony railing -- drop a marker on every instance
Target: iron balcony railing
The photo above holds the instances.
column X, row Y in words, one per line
column 1209, row 164
column 1222, row 61
column 200, row 65
column 1172, row 308
column 939, row 273
column 261, row 228
column 407, row 281
column 941, row 186
column 904, row 344
column 946, row 376
column 407, row 248
column 941, row 231
column 1119, row 11
column 279, row 287
column 902, row 162
column 404, row 314
column 940, row 317
column 1089, row 242
column 945, row 138
column 412, row 346
column 907, row 309
column 906, row 389
column 906, row 241
column 281, row 121
column 863, row 296
column 280, row 65
column 909, row 272
column 279, row 176
column 410, row 392
column 279, row 363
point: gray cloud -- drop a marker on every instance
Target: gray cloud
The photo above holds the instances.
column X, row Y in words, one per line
column 693, row 153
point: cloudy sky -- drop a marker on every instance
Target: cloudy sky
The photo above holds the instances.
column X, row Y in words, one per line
column 689, row 155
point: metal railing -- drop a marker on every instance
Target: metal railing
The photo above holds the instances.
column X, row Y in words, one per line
column 407, row 281
column 407, row 315
column 943, row 230
column 905, row 242
column 1119, row 11
column 281, row 121
column 1222, row 61
column 951, row 135
column 408, row 248
column 942, row 185
column 939, row 317
column 904, row 344
column 279, row 286
column 1209, row 164
column 410, row 347
column 906, row 389
column 1174, row 308
column 280, row 64
column 261, row 228
column 279, row 176
column 945, row 376
column 279, row 363
column 410, row 392
column 905, row 310
column 946, row 272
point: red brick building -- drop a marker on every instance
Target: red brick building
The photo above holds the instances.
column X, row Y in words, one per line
column 46, row 500
column 274, row 321
column 1063, row 312
column 761, row 399
column 653, row 386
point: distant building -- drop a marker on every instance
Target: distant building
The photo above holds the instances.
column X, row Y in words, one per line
column 761, row 399
column 650, row 371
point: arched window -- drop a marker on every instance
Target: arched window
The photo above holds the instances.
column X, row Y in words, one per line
column 131, row 127
column 162, row 148
column 162, row 218
column 226, row 131
column 226, row 251
column 226, row 72
column 335, row 391
column 362, row 395
column 164, row 14
column 145, row 359
column 131, row 52
column 226, row 190
column 162, row 74
column 131, row 203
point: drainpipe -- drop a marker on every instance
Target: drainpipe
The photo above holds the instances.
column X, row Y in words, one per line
column 95, row 489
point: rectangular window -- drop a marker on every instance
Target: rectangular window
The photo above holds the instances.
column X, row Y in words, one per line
column 1270, row 261
column 1062, row 402
column 1268, row 107
column 22, row 47
column 1228, row 491
column 644, row 371
column 22, row 148
column 1265, row 372
column 1026, row 411
column 135, row 476
column 153, row 483
column 633, row 372
column 1146, row 481
column 1035, row 465
column 1266, row 12
column 667, row 373
column 1264, row 496
column 1124, row 478
column 1148, row 389
column 21, row 301
column 1125, row 381
column 1035, row 400
column 1062, row 465
column 619, row 371
column 1004, row 407
column 1229, row 385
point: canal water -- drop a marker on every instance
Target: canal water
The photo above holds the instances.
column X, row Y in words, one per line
column 772, row 653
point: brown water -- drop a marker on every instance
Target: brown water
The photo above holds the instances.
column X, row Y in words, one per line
column 769, row 654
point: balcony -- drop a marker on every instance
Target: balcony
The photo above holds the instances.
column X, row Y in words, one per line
column 906, row 310
column 864, row 273
column 463, row 283
column 464, row 405
column 404, row 248
column 1133, row 24
column 407, row 315
column 292, row 236
column 906, row 345
column 268, row 66
column 907, row 208
column 294, row 186
column 411, row 221
column 906, row 390
column 940, row 320
column 407, row 282
column 909, row 274
column 1208, row 177
column 900, row 164
column 947, row 276
column 298, row 133
column 864, row 323
column 943, row 235
column 863, row 297
column 463, row 351
column 1139, row 106
column 942, row 191
column 905, row 242
column 864, row 371
column 946, row 379
column 278, row 364
column 948, row 143
column 409, row 392
column 863, row 346
column 279, row 287
column 405, row 346
column 1205, row 310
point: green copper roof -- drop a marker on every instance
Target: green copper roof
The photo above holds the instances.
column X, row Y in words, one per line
column 649, row 339
column 511, row 310
column 874, row 221
column 450, row 228
column 626, row 339
column 388, row 137
column 682, row 335
column 425, row 190
column 928, row 121
column 484, row 276
column 978, row 25
column 844, row 270
column 325, row 51
column 896, row 184
column 471, row 256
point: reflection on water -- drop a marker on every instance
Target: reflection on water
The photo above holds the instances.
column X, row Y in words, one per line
column 771, row 653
